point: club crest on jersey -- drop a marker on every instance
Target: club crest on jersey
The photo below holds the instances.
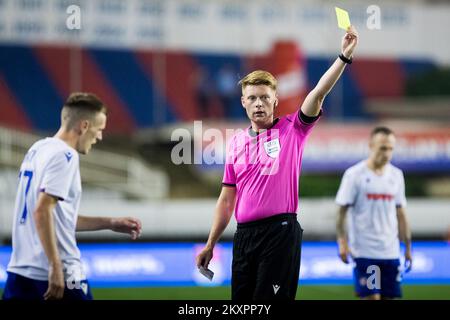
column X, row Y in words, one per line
column 272, row 148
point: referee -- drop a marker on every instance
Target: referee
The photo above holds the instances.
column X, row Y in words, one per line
column 260, row 185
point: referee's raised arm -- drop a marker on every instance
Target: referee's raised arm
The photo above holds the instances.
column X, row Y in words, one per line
column 313, row 102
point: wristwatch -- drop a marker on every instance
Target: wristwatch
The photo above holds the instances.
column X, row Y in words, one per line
column 346, row 60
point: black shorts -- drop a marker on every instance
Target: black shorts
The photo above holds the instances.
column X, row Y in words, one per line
column 266, row 259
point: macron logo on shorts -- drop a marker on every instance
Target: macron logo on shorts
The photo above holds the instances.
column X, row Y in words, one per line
column 84, row 288
column 275, row 288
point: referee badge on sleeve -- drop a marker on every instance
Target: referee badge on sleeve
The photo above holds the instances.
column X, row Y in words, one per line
column 272, row 148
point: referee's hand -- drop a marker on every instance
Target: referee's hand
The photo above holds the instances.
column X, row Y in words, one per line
column 204, row 257
column 349, row 42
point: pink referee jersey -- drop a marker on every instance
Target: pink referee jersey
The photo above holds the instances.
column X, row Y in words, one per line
column 266, row 168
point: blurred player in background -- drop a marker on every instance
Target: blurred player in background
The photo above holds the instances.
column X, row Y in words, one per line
column 373, row 192
column 261, row 181
column 45, row 261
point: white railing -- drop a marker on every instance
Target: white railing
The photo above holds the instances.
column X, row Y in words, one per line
column 114, row 171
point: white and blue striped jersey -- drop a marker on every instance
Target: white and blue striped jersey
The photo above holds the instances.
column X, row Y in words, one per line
column 50, row 166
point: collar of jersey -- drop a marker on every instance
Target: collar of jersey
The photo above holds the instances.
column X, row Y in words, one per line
column 253, row 133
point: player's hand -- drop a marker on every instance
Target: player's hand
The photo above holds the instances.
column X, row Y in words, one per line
column 204, row 257
column 56, row 283
column 349, row 42
column 408, row 261
column 344, row 252
column 131, row 226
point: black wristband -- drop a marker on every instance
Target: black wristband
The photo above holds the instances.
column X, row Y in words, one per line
column 346, row 60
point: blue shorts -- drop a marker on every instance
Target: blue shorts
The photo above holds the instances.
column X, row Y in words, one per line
column 21, row 288
column 377, row 276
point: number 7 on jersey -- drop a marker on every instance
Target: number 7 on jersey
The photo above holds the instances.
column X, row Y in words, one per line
column 29, row 175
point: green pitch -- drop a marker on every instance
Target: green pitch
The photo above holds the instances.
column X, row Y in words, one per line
column 220, row 293
column 439, row 292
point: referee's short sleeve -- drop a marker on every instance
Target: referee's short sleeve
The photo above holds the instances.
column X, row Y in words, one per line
column 229, row 176
column 307, row 119
column 303, row 123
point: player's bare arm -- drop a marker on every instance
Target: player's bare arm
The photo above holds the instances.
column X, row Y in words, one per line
column 224, row 211
column 128, row 225
column 46, row 230
column 314, row 100
column 341, row 234
column 404, row 233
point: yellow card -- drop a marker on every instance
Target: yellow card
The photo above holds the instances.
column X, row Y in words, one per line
column 342, row 18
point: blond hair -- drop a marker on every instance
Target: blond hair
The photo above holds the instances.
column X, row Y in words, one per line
column 258, row 77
